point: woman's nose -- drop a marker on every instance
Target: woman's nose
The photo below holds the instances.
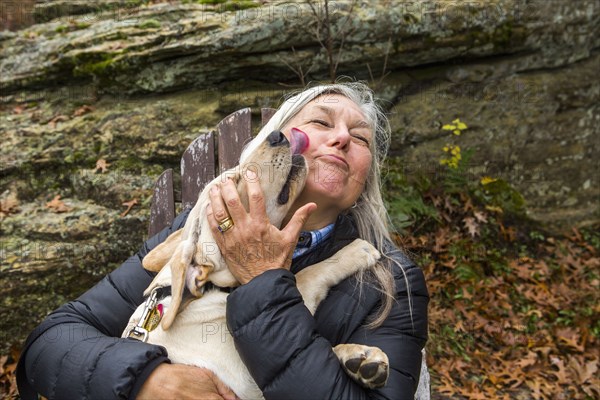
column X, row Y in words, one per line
column 341, row 137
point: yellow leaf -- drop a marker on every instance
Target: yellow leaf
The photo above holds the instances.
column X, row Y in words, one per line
column 487, row 180
column 461, row 126
column 456, row 132
column 448, row 127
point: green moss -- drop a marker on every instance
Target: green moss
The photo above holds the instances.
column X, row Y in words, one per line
column 149, row 24
column 98, row 64
column 82, row 25
column 72, row 27
column 227, row 5
column 130, row 163
column 239, row 5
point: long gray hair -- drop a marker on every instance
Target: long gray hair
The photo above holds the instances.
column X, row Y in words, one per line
column 369, row 212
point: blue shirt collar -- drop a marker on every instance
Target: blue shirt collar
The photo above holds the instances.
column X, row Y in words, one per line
column 308, row 240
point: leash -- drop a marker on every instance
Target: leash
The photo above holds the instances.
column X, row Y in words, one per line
column 151, row 315
column 153, row 311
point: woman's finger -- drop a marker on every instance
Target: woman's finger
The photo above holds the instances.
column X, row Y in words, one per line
column 212, row 223
column 256, row 198
column 293, row 228
column 219, row 210
column 232, row 201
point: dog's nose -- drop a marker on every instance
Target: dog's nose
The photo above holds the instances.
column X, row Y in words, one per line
column 277, row 138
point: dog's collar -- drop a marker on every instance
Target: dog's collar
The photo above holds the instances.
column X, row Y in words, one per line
column 210, row 286
column 165, row 291
column 161, row 293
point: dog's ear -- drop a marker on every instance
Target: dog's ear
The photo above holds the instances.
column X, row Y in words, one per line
column 179, row 263
column 160, row 255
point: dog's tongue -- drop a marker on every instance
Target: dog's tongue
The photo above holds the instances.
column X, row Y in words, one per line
column 298, row 141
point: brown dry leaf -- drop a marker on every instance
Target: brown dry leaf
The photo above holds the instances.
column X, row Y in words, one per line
column 472, row 226
column 480, row 216
column 18, row 110
column 561, row 374
column 55, row 120
column 441, row 240
column 571, row 338
column 9, row 205
column 448, row 205
column 102, row 165
column 531, row 359
column 57, row 205
column 467, row 203
column 129, row 205
column 509, row 233
column 8, row 365
column 584, row 370
column 83, row 110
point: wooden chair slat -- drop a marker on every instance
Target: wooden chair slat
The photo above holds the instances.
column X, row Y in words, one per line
column 197, row 168
column 235, row 131
column 162, row 210
column 266, row 114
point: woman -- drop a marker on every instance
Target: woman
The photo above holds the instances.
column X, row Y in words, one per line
column 76, row 351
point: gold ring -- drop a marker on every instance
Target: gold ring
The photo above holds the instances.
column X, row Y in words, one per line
column 225, row 225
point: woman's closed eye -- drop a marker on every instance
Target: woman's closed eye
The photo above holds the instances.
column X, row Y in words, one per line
column 321, row 122
column 361, row 139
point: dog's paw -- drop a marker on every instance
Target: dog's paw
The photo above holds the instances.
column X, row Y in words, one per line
column 367, row 365
column 364, row 252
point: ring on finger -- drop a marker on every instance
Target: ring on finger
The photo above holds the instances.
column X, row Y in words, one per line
column 225, row 225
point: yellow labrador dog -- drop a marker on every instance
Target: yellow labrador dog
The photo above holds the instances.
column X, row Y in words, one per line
column 189, row 319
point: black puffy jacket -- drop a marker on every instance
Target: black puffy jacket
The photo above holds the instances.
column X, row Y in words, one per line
column 77, row 351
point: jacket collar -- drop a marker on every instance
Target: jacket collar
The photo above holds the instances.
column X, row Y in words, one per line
column 344, row 232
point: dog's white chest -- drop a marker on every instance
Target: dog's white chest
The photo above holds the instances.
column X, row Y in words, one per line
column 199, row 336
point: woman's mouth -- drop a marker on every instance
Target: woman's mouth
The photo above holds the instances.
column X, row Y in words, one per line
column 336, row 160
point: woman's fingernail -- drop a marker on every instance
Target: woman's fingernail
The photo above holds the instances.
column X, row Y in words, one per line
column 251, row 174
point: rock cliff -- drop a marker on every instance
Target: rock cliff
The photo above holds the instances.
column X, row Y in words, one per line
column 134, row 82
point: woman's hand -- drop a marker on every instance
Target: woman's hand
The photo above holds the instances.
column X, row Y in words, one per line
column 253, row 245
column 179, row 381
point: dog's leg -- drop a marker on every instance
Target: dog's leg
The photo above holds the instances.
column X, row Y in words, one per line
column 160, row 255
column 315, row 281
column 369, row 366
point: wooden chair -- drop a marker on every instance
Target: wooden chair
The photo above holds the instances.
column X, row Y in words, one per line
column 200, row 164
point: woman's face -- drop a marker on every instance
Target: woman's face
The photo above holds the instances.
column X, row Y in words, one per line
column 338, row 154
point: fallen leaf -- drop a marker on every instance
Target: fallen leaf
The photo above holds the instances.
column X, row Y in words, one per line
column 55, row 120
column 441, row 240
column 57, row 205
column 102, row 165
column 584, row 371
column 18, row 110
column 472, row 226
column 571, row 338
column 8, row 205
column 480, row 216
column 129, row 205
column 82, row 110
column 561, row 374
